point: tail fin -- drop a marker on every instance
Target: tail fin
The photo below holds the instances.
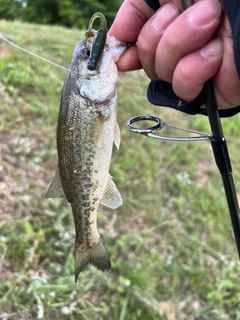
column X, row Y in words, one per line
column 96, row 255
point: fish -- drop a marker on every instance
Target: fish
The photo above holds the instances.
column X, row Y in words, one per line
column 86, row 130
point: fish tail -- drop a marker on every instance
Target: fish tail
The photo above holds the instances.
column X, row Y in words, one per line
column 96, row 255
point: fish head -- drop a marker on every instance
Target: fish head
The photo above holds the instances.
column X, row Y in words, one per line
column 96, row 85
column 112, row 51
column 81, row 57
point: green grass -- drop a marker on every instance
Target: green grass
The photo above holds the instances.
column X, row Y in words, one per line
column 171, row 243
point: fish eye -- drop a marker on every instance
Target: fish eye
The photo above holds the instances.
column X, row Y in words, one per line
column 87, row 53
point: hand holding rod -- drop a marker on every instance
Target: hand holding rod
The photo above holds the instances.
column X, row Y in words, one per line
column 220, row 152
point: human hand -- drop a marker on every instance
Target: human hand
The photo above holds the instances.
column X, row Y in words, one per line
column 185, row 49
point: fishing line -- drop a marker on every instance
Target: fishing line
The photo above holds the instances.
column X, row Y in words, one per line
column 32, row 53
column 173, row 117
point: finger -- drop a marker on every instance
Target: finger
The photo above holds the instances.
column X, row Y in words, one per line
column 130, row 18
column 187, row 33
column 178, row 3
column 129, row 60
column 195, row 69
column 150, row 36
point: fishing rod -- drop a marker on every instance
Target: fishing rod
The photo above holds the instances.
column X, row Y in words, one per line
column 218, row 142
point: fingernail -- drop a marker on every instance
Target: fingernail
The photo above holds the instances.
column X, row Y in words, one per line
column 204, row 13
column 163, row 17
column 212, row 49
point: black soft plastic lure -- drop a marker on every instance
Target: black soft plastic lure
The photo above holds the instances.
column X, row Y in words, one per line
column 99, row 42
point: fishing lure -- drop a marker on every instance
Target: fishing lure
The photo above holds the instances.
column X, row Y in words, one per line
column 100, row 40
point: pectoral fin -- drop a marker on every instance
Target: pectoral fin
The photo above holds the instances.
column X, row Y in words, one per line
column 55, row 190
column 117, row 135
column 111, row 197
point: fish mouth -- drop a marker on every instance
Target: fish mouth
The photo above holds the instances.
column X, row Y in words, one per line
column 99, row 40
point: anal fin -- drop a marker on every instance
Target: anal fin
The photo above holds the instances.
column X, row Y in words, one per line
column 111, row 197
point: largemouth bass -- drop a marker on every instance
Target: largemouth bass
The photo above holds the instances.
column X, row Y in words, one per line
column 86, row 131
